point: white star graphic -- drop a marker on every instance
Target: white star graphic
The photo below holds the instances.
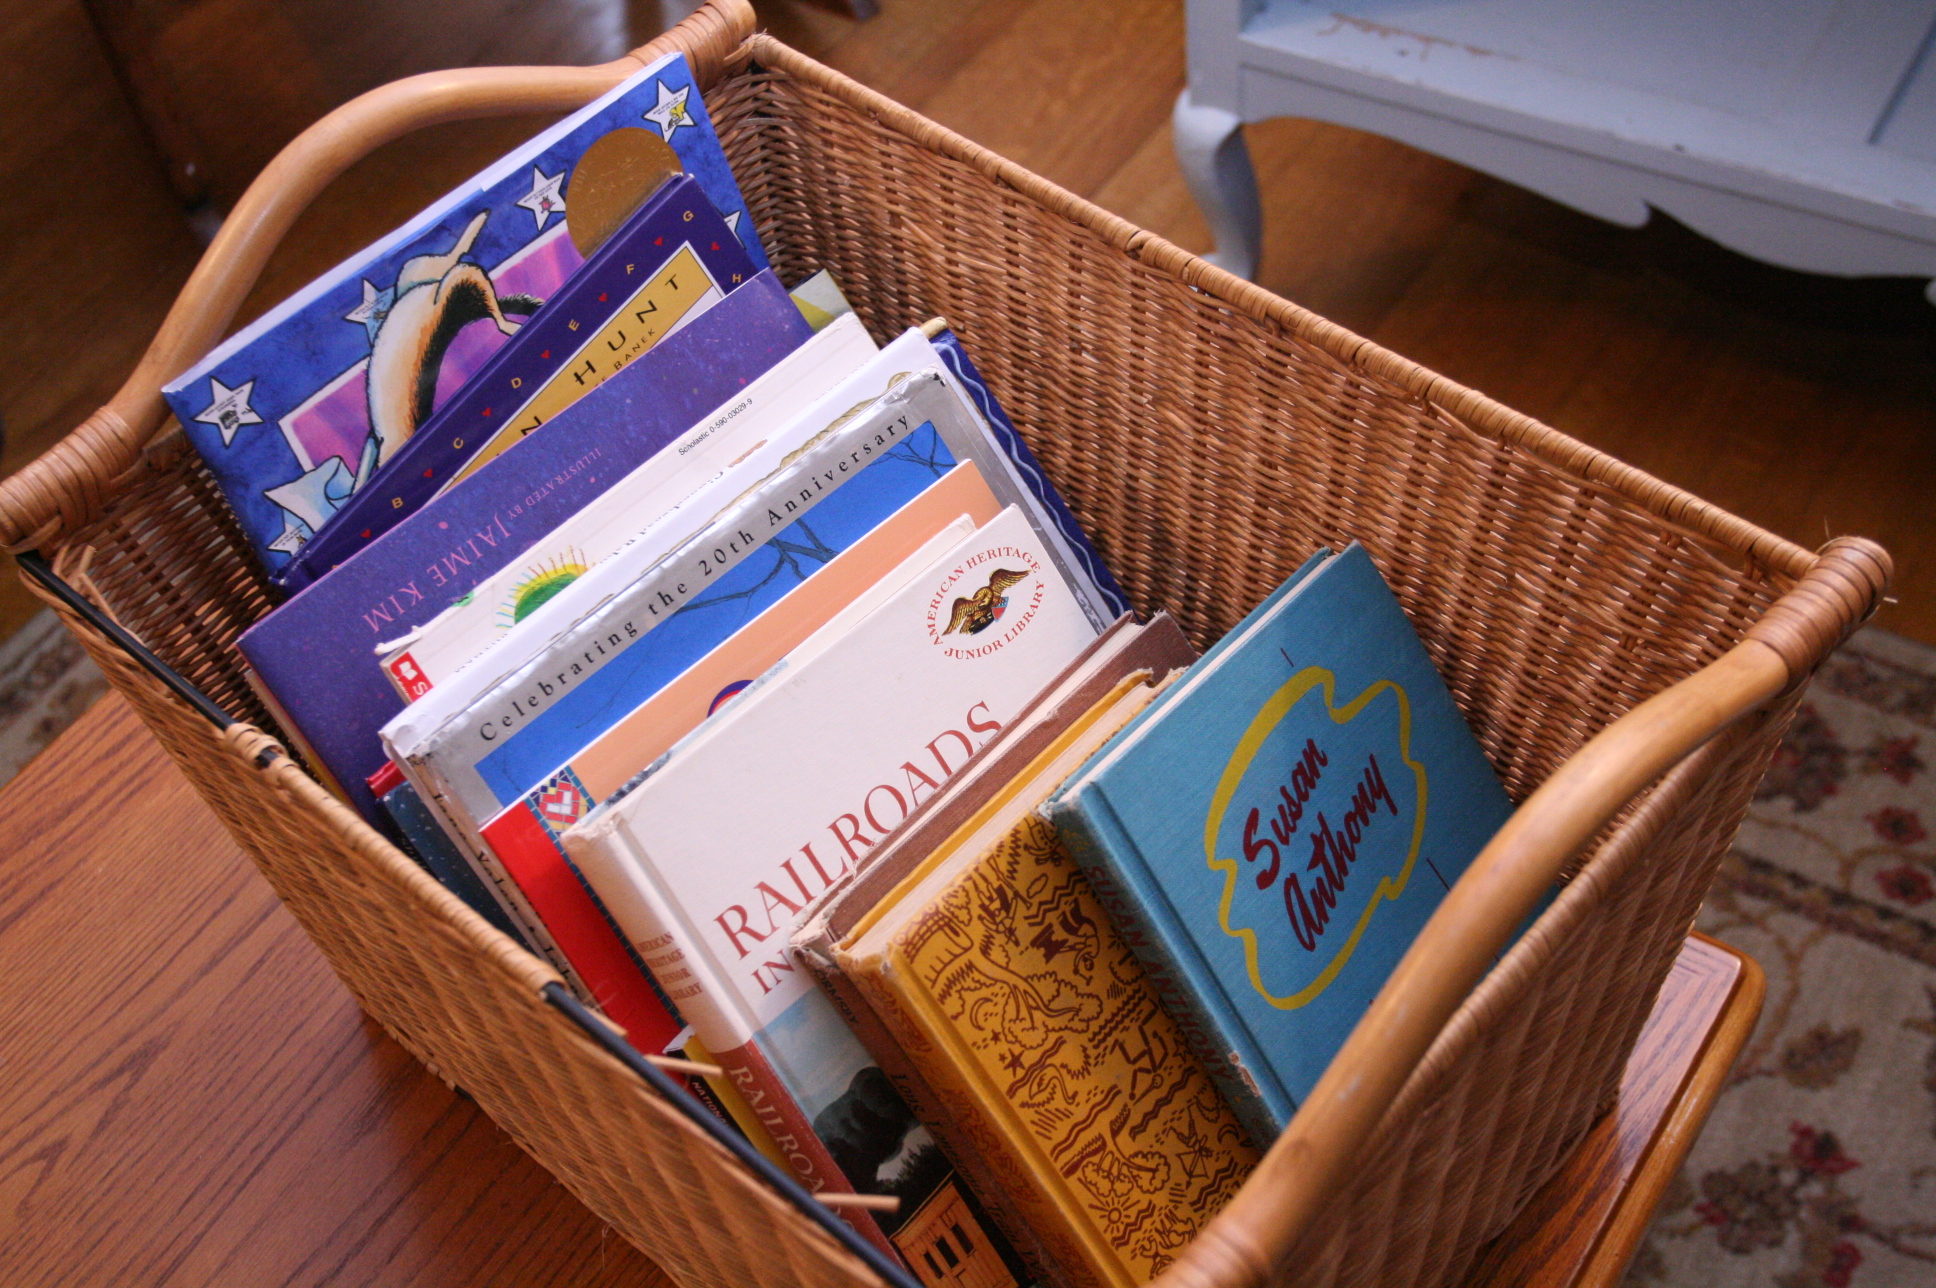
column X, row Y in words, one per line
column 375, row 307
column 363, row 312
column 230, row 409
column 670, row 114
column 309, row 500
column 545, row 198
column 732, row 222
column 292, row 538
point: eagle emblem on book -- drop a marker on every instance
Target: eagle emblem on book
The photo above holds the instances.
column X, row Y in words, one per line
column 977, row 612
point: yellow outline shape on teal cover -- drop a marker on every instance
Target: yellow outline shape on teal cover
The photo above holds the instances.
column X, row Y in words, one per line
column 1268, row 717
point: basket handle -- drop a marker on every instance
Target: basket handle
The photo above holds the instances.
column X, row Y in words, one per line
column 67, row 485
column 1309, row 1164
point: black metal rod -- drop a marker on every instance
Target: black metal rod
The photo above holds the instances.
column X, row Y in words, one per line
column 37, row 567
column 754, row 1161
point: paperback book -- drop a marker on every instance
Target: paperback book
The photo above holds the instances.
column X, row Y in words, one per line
column 668, row 263
column 286, row 411
column 766, row 413
column 316, row 652
column 501, row 724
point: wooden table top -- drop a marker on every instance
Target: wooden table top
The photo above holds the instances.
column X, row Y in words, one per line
column 187, row 1094
column 189, row 1097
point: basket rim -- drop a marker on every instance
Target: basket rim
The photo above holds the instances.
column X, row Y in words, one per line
column 1673, row 506
column 73, row 482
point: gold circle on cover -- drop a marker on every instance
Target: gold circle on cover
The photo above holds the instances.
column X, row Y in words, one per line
column 614, row 176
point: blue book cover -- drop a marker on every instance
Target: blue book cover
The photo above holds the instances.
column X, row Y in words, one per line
column 955, row 357
column 670, row 261
column 316, row 653
column 285, row 412
column 433, row 850
column 490, row 751
column 1274, row 835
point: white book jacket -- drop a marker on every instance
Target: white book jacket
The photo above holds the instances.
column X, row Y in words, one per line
column 710, row 859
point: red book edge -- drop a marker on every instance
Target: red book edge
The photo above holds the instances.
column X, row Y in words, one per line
column 581, row 929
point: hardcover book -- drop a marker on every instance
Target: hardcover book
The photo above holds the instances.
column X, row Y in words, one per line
column 1067, row 533
column 978, row 431
column 837, row 750
column 286, row 411
column 1126, row 647
column 1121, row 650
column 668, row 263
column 765, row 413
column 997, row 976
column 1272, row 835
column 315, row 653
column 524, row 837
column 525, row 848
column 484, row 758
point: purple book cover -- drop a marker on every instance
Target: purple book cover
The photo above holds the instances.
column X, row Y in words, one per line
column 285, row 411
column 672, row 260
column 317, row 654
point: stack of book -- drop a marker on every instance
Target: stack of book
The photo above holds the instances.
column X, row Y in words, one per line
column 753, row 673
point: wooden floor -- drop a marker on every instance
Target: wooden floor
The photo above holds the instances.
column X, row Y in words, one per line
column 1805, row 404
column 194, row 1100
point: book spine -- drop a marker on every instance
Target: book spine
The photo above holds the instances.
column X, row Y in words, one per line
column 979, row 1136
column 495, row 879
column 581, row 927
column 605, row 854
column 442, row 859
column 922, row 1101
column 726, row 1100
column 1090, row 833
column 702, row 1090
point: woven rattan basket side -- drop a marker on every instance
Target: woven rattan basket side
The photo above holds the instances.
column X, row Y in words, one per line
column 1208, row 435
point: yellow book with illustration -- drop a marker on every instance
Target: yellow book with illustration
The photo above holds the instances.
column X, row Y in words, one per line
column 996, row 969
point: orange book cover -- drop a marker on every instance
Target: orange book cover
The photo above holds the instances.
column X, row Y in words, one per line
column 996, row 971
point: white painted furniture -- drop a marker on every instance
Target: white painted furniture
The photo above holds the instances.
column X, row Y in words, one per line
column 1802, row 132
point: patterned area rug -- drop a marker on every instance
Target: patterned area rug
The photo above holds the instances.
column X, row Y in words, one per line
column 46, row 681
column 1818, row 1167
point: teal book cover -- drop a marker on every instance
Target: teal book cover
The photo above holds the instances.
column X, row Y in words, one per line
column 1274, row 836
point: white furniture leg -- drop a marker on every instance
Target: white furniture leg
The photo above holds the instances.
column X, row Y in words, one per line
column 1216, row 163
column 1801, row 132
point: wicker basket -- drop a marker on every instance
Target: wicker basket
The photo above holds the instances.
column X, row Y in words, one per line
column 1627, row 654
